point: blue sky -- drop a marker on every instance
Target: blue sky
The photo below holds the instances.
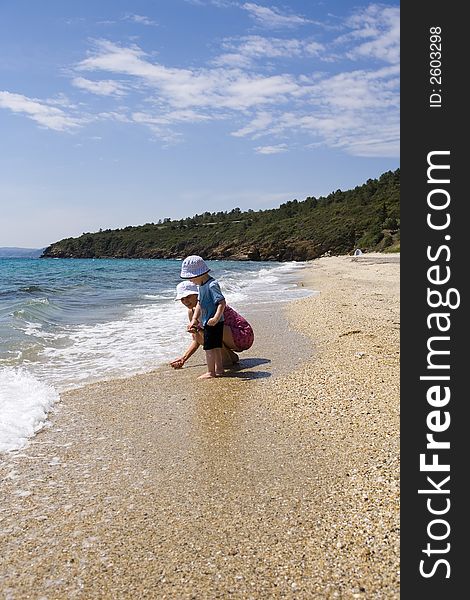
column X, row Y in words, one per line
column 123, row 112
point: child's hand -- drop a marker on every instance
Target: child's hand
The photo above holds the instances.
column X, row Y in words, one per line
column 192, row 327
column 212, row 321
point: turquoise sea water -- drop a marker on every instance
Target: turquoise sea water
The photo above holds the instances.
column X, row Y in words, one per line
column 67, row 322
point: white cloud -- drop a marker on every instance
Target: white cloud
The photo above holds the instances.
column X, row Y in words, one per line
column 314, row 48
column 366, row 133
column 379, row 27
column 206, row 89
column 176, row 116
column 45, row 115
column 61, row 100
column 272, row 18
column 357, row 112
column 141, row 19
column 164, row 123
column 257, row 46
column 360, row 90
column 271, row 149
column 119, row 117
column 161, row 124
column 245, row 50
column 106, row 87
column 233, row 60
column 260, row 123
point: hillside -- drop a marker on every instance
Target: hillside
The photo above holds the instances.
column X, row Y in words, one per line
column 367, row 217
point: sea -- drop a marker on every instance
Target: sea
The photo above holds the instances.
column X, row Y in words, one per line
column 65, row 323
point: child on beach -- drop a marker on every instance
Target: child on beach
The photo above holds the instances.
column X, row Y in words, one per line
column 210, row 308
column 238, row 334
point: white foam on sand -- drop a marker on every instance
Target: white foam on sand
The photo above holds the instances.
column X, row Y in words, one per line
column 24, row 404
column 146, row 337
column 269, row 284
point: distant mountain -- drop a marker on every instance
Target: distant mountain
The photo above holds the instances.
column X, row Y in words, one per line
column 21, row 252
column 366, row 217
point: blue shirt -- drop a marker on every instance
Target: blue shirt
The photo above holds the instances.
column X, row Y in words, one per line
column 209, row 297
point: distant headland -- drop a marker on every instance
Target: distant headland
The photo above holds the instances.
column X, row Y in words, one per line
column 12, row 252
column 366, row 217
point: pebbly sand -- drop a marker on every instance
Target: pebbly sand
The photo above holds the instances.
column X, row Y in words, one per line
column 280, row 480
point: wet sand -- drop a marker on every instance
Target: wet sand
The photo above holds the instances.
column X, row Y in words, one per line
column 279, row 480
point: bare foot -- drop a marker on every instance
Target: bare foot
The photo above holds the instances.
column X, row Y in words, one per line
column 219, row 373
column 206, row 376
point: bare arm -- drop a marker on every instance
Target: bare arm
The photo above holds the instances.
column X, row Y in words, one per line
column 193, row 346
column 179, row 362
column 196, row 314
column 218, row 313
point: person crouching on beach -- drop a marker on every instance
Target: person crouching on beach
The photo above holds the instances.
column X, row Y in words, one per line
column 238, row 334
column 210, row 308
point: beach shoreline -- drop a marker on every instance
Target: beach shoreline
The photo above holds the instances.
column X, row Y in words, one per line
column 249, row 486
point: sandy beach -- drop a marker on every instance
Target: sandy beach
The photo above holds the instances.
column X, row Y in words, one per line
column 280, row 480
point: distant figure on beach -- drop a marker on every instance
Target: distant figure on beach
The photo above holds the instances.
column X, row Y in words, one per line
column 237, row 333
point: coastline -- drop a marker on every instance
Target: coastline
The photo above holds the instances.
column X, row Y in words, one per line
column 250, row 486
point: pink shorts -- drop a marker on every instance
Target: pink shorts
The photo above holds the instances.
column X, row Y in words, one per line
column 242, row 331
column 243, row 338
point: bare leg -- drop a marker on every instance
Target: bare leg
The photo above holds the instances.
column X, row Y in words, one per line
column 229, row 348
column 228, row 339
column 215, row 366
column 218, row 362
column 211, row 364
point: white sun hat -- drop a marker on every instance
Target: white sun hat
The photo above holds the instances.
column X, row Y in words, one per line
column 193, row 266
column 185, row 288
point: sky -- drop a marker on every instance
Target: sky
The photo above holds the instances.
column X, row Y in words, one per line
column 124, row 112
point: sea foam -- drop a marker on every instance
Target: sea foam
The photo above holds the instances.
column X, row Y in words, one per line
column 24, row 404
